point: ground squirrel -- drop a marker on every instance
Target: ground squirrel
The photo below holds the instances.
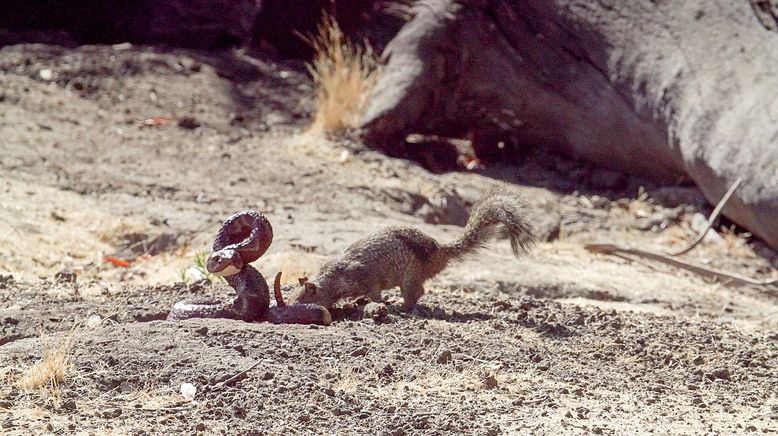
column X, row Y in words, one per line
column 406, row 257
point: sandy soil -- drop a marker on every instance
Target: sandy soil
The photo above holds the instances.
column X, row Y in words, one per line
column 561, row 341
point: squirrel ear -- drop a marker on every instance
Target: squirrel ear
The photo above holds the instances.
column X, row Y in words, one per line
column 302, row 280
column 310, row 287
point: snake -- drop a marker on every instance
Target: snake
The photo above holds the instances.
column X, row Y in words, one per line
column 243, row 238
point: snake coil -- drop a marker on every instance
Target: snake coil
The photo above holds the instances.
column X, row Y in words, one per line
column 243, row 238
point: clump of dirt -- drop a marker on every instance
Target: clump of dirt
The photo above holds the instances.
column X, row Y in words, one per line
column 119, row 164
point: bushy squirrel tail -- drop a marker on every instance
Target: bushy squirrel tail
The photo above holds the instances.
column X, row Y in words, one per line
column 499, row 206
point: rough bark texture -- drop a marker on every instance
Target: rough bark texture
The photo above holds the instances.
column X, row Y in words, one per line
column 663, row 88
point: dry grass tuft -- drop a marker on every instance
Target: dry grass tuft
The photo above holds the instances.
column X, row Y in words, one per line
column 344, row 74
column 51, row 369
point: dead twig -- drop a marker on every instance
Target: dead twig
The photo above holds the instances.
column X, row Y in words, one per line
column 711, row 219
column 722, row 276
column 236, row 377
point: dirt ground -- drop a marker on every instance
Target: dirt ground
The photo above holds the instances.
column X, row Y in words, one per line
column 561, row 341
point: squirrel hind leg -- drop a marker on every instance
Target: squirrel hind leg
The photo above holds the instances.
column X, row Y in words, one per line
column 411, row 292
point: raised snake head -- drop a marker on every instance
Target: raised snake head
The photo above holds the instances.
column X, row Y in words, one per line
column 224, row 262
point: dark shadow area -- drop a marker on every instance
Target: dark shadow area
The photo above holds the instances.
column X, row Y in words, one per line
column 203, row 24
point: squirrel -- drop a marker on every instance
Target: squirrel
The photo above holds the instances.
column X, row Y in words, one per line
column 406, row 257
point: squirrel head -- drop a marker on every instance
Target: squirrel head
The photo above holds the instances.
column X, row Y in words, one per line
column 311, row 292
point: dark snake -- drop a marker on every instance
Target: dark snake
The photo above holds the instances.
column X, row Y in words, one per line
column 242, row 239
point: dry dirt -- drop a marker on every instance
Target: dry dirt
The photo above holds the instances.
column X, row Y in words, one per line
column 558, row 342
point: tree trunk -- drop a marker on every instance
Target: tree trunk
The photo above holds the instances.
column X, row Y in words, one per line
column 657, row 87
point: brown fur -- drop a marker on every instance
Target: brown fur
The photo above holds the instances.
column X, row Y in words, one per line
column 406, row 257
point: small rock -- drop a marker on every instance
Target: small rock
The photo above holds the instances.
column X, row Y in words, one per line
column 490, row 382
column 200, row 426
column 698, row 223
column 719, row 373
column 445, row 357
column 329, row 392
column 361, row 351
column 188, row 391
column 93, row 321
column 112, row 413
column 376, row 311
column 69, row 404
column 126, row 387
column 65, row 276
column 304, row 418
column 202, row 331
column 6, row 279
column 46, row 74
column 189, row 123
column 267, row 376
column 387, row 371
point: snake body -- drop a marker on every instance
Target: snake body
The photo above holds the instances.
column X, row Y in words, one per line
column 242, row 239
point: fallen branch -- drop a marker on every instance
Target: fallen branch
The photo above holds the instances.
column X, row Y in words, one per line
column 236, row 377
column 711, row 219
column 725, row 277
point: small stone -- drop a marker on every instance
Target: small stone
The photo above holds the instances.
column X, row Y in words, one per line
column 376, row 311
column 445, row 357
column 46, row 74
column 304, row 418
column 202, row 331
column 112, row 413
column 189, row 123
column 361, row 351
column 719, row 373
column 188, row 391
column 126, row 387
column 490, row 382
column 69, row 404
column 65, row 276
column 93, row 321
column 329, row 392
column 387, row 371
column 267, row 376
column 200, row 426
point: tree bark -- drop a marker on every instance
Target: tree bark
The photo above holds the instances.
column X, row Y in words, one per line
column 657, row 87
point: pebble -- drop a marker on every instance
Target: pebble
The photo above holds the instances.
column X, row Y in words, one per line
column 65, row 276
column 445, row 357
column 719, row 373
column 490, row 382
column 361, row 351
